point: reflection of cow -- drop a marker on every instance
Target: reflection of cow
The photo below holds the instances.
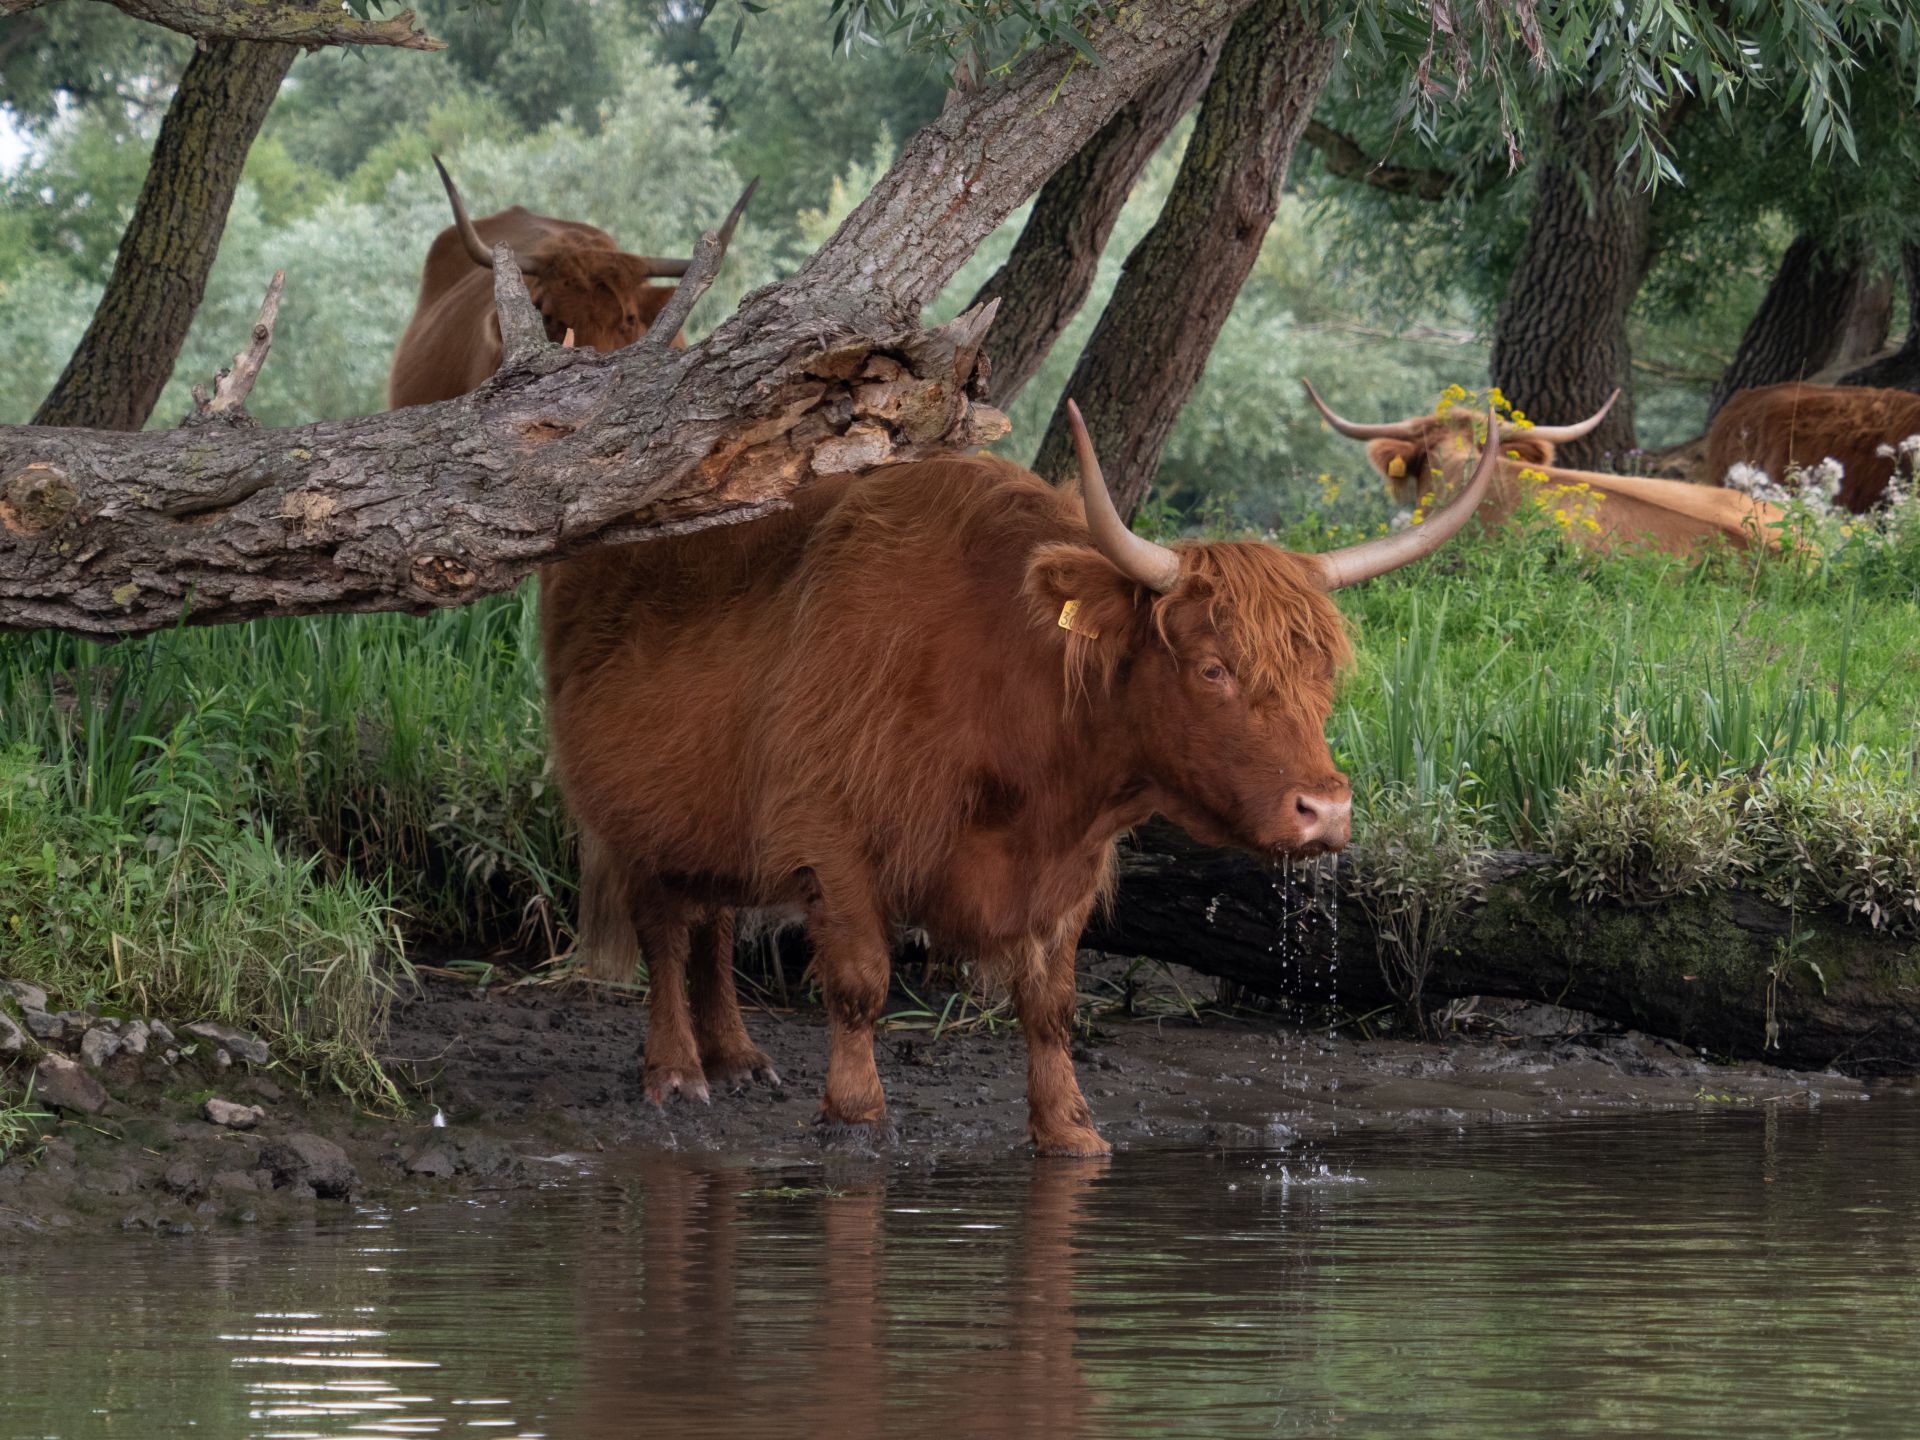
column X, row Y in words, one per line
column 1430, row 453
column 1776, row 427
column 702, row 1313
column 580, row 280
column 933, row 694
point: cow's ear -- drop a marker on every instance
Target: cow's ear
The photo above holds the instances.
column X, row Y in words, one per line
column 1076, row 588
column 1527, row 450
column 1396, row 459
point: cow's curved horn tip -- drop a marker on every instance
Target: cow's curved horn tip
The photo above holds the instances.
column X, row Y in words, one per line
column 567, row 342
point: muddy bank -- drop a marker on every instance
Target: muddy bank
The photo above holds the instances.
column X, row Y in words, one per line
column 514, row 1087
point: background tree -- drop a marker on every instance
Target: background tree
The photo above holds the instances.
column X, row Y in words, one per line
column 240, row 56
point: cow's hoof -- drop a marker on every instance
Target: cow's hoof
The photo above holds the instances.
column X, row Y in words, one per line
column 1079, row 1141
column 866, row 1137
column 667, row 1081
column 736, row 1071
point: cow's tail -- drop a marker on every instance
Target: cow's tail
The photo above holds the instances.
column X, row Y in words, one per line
column 608, row 947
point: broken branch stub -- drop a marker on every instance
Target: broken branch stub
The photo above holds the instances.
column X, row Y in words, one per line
column 233, row 385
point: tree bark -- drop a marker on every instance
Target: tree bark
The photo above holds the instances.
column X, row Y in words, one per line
column 1702, row 970
column 1180, row 282
column 1344, row 158
column 160, row 274
column 566, row 449
column 284, row 22
column 1821, row 308
column 1901, row 369
column 1560, row 340
column 1045, row 280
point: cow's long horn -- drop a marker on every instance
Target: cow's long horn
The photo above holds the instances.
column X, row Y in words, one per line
column 478, row 249
column 1354, row 430
column 1351, row 564
column 669, row 269
column 1560, row 434
column 1154, row 566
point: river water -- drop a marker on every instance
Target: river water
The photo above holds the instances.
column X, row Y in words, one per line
column 1746, row 1272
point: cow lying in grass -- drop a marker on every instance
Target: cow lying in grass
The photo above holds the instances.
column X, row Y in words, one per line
column 1780, row 428
column 1428, row 455
column 933, row 694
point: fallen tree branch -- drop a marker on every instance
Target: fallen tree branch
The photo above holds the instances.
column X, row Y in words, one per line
column 1708, row 971
column 109, row 534
column 232, row 386
column 309, row 23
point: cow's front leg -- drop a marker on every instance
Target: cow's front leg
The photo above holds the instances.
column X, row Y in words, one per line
column 1044, row 997
column 851, row 957
column 671, row 1062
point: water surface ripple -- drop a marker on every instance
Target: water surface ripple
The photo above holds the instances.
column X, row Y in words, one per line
column 1743, row 1273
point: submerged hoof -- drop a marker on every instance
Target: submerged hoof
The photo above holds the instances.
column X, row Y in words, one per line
column 736, row 1072
column 1073, row 1141
column 865, row 1137
column 670, row 1080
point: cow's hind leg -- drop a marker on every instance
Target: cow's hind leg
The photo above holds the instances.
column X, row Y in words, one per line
column 671, row 1062
column 727, row 1052
column 851, row 957
column 1044, row 997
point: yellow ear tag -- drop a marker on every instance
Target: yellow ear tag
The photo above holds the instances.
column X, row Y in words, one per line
column 1068, row 612
column 1397, row 468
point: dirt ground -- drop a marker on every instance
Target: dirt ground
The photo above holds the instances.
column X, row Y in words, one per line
column 516, row 1086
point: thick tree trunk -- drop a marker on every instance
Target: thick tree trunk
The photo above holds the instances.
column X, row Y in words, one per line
column 1702, row 970
column 1822, row 308
column 563, row 450
column 124, row 360
column 1046, row 279
column 1180, row 282
column 1560, row 340
column 1901, row 369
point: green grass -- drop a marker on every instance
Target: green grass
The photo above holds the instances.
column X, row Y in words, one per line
column 234, row 821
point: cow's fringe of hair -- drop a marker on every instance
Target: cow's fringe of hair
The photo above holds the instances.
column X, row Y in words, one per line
column 608, row 946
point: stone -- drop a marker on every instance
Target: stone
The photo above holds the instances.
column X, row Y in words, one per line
column 134, row 1036
column 253, row 1051
column 160, row 1034
column 12, row 1038
column 307, row 1160
column 432, row 1162
column 183, row 1178
column 29, row 997
column 98, row 1046
column 65, row 1085
column 233, row 1182
column 172, row 1057
column 222, row 1060
column 231, row 1115
column 48, row 1029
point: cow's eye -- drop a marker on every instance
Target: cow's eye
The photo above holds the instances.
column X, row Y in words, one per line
column 1214, row 672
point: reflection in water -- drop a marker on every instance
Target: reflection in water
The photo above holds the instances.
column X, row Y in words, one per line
column 1724, row 1275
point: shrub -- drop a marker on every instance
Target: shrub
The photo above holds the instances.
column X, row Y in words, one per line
column 1640, row 833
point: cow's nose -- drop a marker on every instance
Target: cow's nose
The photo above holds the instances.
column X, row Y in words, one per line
column 1324, row 818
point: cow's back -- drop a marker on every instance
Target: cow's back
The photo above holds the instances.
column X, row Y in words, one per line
column 1779, row 427
column 714, row 697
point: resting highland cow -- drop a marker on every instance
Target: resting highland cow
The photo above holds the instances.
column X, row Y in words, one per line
column 1778, row 427
column 578, row 278
column 1428, row 454
column 933, row 694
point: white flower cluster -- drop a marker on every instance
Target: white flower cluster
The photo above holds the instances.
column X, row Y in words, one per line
column 1905, row 480
column 1813, row 488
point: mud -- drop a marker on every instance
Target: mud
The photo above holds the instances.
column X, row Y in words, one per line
column 512, row 1087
